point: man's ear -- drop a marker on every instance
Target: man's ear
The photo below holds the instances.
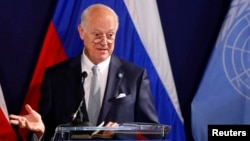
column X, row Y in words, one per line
column 80, row 31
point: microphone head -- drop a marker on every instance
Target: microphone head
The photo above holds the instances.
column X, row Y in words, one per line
column 84, row 74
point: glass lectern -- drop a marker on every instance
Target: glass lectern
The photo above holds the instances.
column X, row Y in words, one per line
column 126, row 131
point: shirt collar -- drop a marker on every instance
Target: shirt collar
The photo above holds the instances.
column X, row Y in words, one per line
column 87, row 64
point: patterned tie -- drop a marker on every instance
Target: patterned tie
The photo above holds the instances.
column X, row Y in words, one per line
column 94, row 104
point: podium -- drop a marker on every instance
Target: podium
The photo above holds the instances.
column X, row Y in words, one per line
column 126, row 131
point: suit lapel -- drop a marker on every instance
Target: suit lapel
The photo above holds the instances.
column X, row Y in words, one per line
column 74, row 77
column 112, row 87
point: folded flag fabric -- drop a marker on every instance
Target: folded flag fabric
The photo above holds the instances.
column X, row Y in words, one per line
column 223, row 97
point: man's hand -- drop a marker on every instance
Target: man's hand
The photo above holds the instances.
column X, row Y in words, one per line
column 110, row 124
column 32, row 121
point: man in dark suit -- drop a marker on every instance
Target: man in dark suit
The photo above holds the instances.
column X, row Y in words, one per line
column 125, row 94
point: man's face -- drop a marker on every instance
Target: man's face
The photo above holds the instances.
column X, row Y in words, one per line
column 99, row 36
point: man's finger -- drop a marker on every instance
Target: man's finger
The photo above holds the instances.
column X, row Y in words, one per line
column 28, row 108
column 14, row 116
column 112, row 124
column 15, row 122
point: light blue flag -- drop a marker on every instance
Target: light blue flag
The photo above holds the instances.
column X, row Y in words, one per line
column 224, row 93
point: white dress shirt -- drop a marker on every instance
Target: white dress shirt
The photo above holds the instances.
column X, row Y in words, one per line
column 86, row 66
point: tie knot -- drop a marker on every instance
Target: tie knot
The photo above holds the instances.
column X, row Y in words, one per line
column 95, row 69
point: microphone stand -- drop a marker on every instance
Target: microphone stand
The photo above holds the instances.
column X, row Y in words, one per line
column 78, row 120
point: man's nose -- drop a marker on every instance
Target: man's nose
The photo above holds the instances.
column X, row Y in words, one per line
column 104, row 40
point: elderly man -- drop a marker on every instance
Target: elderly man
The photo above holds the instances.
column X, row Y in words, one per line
column 124, row 94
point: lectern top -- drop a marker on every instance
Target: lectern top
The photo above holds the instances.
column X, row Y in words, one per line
column 148, row 130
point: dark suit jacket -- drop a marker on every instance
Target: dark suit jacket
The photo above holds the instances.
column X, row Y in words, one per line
column 62, row 91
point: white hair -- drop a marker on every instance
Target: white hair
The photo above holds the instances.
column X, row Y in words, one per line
column 86, row 12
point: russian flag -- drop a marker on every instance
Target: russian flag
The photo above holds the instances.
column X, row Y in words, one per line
column 139, row 40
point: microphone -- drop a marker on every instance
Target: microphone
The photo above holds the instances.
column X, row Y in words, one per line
column 84, row 76
column 78, row 120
